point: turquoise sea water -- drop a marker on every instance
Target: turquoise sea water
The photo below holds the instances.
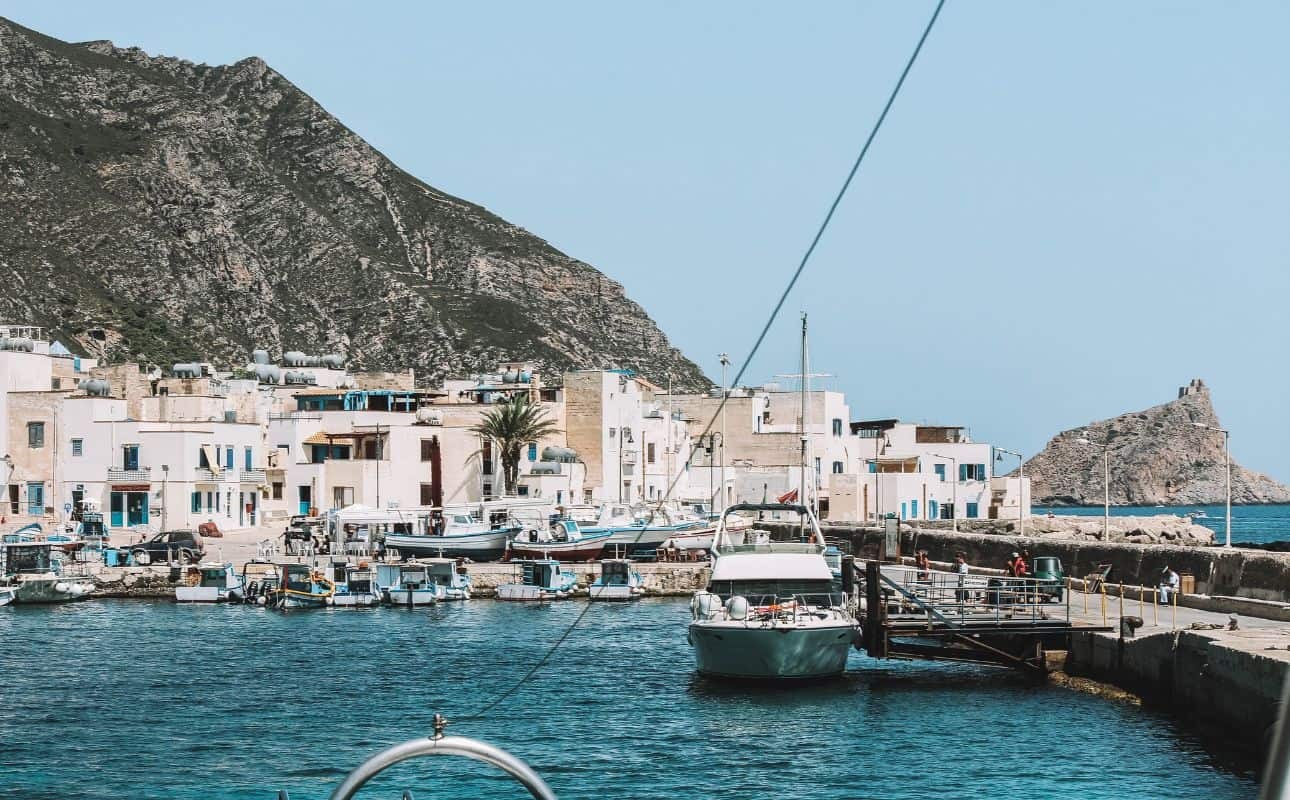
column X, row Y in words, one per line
column 1250, row 524
column 127, row 699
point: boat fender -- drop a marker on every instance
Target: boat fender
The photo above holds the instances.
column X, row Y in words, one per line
column 737, row 608
column 262, row 601
column 62, row 588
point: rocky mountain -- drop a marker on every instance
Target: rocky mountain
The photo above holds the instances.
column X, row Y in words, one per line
column 1156, row 456
column 159, row 210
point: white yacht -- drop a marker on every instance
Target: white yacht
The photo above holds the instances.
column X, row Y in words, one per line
column 770, row 611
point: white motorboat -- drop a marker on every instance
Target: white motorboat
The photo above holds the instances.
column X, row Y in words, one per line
column 7, row 594
column 769, row 611
column 210, row 582
column 35, row 576
column 451, row 581
column 355, row 585
column 407, row 585
column 618, row 581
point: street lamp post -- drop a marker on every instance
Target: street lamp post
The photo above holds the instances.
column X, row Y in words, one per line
column 1106, row 483
column 954, row 490
column 1021, row 488
column 1227, row 456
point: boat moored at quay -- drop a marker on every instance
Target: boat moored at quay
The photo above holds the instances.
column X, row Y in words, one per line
column 479, row 532
column 539, row 579
column 769, row 611
column 210, row 582
column 34, row 575
column 563, row 539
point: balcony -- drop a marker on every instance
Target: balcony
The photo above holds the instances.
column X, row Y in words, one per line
column 115, row 475
column 255, row 476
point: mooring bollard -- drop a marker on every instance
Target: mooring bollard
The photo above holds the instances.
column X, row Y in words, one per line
column 1173, row 603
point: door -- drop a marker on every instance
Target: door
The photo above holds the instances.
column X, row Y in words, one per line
column 117, row 509
column 78, row 501
column 35, row 499
column 306, row 499
column 136, row 508
column 130, row 456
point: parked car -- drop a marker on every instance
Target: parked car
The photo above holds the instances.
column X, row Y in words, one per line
column 187, row 546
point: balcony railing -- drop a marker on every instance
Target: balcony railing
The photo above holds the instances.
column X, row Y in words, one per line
column 129, row 475
column 252, row 476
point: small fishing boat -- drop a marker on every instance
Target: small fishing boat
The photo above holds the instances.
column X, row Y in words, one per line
column 456, row 534
column 260, row 581
column 302, row 586
column 355, row 585
column 451, row 581
column 210, row 582
column 407, row 585
column 563, row 540
column 618, row 581
column 1198, row 514
column 35, row 576
column 539, row 579
column 7, row 594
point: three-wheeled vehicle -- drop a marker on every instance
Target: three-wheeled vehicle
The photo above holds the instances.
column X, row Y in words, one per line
column 1049, row 579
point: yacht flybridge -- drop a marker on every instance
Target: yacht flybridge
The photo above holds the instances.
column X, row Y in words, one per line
column 770, row 611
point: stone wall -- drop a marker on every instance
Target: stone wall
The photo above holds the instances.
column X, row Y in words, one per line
column 1254, row 574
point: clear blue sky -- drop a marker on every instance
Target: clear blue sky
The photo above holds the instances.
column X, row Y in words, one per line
column 1073, row 209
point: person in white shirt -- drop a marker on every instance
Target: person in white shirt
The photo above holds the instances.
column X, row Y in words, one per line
column 1168, row 584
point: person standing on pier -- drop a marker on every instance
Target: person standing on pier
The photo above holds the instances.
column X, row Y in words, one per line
column 961, row 569
column 924, row 565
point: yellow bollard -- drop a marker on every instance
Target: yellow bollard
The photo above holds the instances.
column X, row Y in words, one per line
column 1155, row 608
column 1142, row 608
column 1085, row 597
column 1122, row 600
column 1173, row 603
column 1104, row 603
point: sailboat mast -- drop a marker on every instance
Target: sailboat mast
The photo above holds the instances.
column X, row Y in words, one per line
column 801, row 421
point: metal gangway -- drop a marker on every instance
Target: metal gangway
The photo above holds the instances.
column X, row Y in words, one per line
column 947, row 616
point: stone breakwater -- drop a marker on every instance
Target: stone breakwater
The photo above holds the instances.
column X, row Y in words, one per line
column 1156, row 529
column 158, row 582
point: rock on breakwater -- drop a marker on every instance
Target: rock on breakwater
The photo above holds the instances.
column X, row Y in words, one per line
column 1157, row 529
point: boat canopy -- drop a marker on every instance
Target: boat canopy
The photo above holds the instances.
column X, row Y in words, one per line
column 766, row 566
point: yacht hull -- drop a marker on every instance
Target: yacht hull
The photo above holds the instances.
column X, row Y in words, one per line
column 412, row 597
column 771, row 653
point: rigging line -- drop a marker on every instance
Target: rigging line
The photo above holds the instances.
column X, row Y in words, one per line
column 819, row 234
column 806, row 257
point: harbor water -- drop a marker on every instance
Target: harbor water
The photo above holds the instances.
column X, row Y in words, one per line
column 1250, row 524
column 111, row 699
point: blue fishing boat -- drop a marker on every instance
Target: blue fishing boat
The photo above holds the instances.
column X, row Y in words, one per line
column 355, row 585
column 539, row 579
column 302, row 587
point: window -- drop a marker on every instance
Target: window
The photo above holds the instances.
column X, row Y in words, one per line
column 427, row 451
column 586, row 496
column 913, row 509
column 488, row 489
column 837, row 427
column 817, row 469
column 276, row 490
column 971, row 472
column 202, row 461
column 249, row 462
column 55, row 383
column 837, row 467
column 35, row 434
column 342, row 496
column 649, row 452
column 130, row 456
column 228, row 457
column 486, row 458
column 522, row 490
column 973, row 511
column 940, row 471
column 197, row 502
column 532, row 451
column 427, row 494
column 78, row 447
column 217, row 501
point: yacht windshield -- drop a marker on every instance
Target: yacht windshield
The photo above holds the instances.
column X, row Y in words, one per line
column 728, row 589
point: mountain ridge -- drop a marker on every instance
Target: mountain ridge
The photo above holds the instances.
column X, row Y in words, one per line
column 176, row 210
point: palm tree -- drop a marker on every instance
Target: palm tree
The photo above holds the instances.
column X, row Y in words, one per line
column 510, row 426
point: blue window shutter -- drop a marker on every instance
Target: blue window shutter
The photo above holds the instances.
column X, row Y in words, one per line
column 532, row 451
column 963, row 472
column 980, row 472
column 197, row 502
column 248, row 459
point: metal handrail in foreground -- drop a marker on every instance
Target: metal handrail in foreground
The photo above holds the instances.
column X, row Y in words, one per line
column 440, row 745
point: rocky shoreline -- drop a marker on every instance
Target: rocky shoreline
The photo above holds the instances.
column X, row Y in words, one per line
column 1156, row 529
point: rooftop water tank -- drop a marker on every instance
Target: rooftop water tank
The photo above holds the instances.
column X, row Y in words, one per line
column 186, row 370
column 300, row 378
column 333, row 361
column 293, row 358
column 94, row 387
column 510, row 376
column 268, row 373
column 565, row 454
column 429, row 416
column 259, row 356
column 525, row 376
column 19, row 344
column 545, row 468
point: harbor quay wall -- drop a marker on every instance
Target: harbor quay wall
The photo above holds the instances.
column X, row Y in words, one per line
column 666, row 579
column 1229, row 681
column 1221, row 573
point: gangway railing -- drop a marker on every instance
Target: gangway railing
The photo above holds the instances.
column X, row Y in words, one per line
column 956, row 599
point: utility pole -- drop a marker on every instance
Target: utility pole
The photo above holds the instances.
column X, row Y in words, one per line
column 379, row 453
column 1227, row 457
column 1021, row 489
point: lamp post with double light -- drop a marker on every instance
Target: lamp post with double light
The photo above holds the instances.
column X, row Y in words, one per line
column 1106, row 482
column 1227, row 456
column 1021, row 488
